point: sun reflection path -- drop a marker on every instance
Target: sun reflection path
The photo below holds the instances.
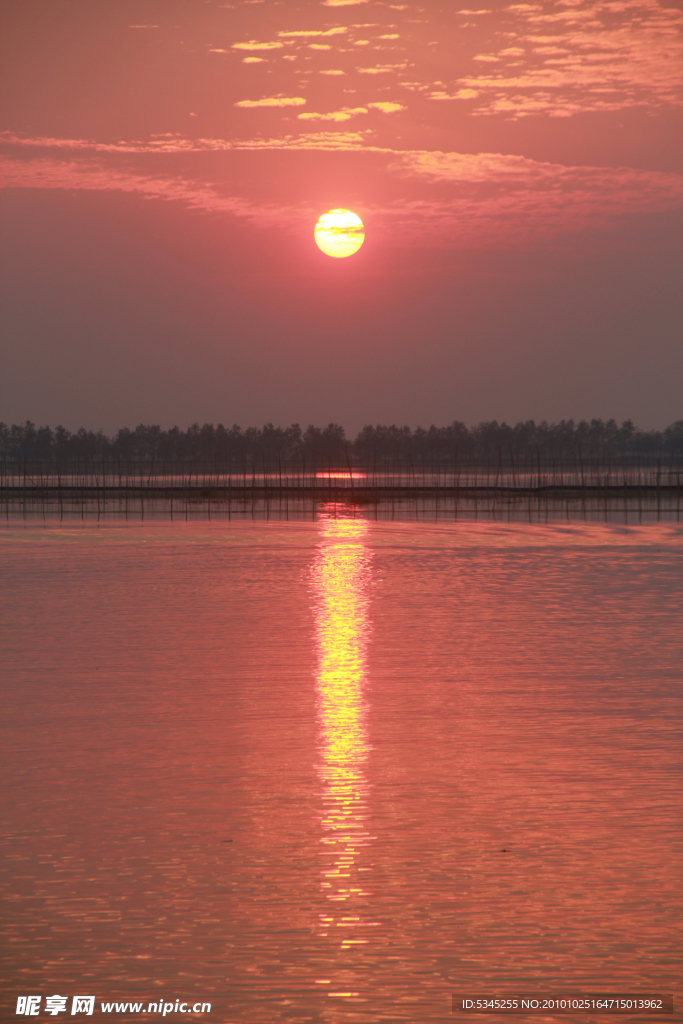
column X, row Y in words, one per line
column 341, row 574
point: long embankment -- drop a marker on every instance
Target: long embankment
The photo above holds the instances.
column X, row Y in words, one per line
column 654, row 491
column 363, row 494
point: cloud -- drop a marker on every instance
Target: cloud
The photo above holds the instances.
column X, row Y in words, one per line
column 484, row 199
column 253, row 45
column 331, row 72
column 585, row 55
column 273, row 101
column 547, row 49
column 340, row 30
column 496, row 200
column 253, row 60
column 381, row 69
column 175, row 143
column 342, row 3
column 461, row 94
column 53, row 174
column 319, row 46
column 345, row 114
column 519, row 173
column 325, row 141
column 143, row 26
column 387, row 108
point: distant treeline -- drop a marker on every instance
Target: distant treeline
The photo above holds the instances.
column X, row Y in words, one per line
column 231, row 448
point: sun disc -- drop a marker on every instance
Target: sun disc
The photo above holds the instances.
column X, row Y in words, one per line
column 339, row 233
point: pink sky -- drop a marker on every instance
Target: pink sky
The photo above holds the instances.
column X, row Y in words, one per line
column 518, row 168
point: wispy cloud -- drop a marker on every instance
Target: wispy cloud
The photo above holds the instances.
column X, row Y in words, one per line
column 254, row 45
column 273, row 101
column 461, row 94
column 345, row 141
column 175, row 143
column 499, row 197
column 345, row 114
column 58, row 174
column 484, row 199
column 381, row 69
column 588, row 55
column 387, row 107
column 308, row 33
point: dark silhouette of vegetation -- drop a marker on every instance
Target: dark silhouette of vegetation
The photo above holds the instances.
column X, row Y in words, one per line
column 149, row 450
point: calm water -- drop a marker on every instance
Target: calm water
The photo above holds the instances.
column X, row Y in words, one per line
column 338, row 770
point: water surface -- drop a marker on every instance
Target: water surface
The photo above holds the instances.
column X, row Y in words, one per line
column 338, row 770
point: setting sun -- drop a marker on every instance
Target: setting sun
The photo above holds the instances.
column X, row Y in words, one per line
column 339, row 233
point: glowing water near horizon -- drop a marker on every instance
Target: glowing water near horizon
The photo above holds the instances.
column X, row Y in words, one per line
column 337, row 771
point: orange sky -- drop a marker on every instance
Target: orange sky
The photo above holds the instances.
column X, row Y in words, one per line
column 517, row 168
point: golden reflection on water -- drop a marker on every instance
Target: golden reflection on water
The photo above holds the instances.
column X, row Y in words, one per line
column 341, row 575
